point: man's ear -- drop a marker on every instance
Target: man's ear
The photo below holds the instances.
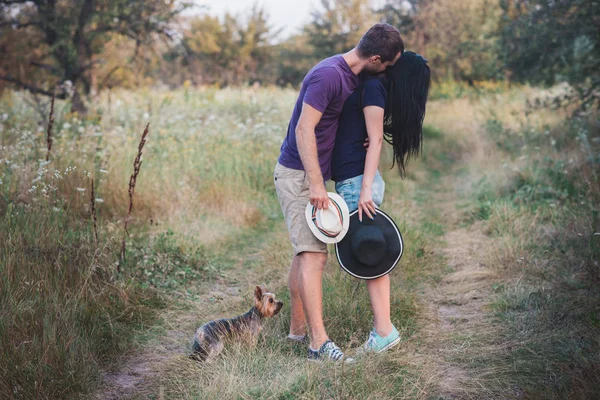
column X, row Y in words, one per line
column 375, row 60
column 258, row 293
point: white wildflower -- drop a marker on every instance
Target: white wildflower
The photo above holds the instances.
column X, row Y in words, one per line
column 104, row 171
column 55, row 209
column 146, row 115
column 80, row 189
column 66, row 125
column 99, row 200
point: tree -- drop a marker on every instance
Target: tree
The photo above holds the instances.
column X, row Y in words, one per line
column 232, row 51
column 409, row 17
column 338, row 26
column 546, row 42
column 66, row 39
column 458, row 37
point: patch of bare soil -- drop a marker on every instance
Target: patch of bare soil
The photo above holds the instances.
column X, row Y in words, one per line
column 138, row 369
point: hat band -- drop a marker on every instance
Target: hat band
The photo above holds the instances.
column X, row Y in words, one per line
column 324, row 231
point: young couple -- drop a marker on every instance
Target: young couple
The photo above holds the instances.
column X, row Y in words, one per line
column 374, row 91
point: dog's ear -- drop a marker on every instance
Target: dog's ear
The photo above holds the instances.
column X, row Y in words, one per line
column 258, row 293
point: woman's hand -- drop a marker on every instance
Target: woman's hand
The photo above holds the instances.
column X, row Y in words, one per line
column 365, row 204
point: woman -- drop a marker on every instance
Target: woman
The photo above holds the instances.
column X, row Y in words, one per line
column 390, row 107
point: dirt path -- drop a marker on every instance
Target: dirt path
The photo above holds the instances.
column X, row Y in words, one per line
column 454, row 311
column 457, row 306
column 139, row 368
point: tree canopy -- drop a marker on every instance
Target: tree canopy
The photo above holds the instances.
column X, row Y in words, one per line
column 94, row 44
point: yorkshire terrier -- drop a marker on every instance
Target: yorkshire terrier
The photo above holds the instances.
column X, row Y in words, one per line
column 210, row 338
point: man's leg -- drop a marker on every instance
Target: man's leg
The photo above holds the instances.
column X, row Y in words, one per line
column 298, row 320
column 310, row 283
column 379, row 292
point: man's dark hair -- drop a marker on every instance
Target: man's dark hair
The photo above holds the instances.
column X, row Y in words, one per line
column 381, row 40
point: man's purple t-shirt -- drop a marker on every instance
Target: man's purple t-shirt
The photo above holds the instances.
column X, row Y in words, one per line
column 325, row 88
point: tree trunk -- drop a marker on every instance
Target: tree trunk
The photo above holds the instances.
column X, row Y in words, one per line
column 93, row 82
column 77, row 104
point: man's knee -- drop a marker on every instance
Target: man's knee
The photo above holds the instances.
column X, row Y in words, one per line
column 312, row 261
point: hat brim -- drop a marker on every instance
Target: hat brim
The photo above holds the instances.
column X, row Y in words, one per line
column 394, row 242
column 345, row 220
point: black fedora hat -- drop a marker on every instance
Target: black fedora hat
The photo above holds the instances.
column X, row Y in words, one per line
column 371, row 248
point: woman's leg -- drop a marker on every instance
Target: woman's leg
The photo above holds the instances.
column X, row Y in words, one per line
column 379, row 293
column 379, row 289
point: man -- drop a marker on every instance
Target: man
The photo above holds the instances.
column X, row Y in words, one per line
column 304, row 166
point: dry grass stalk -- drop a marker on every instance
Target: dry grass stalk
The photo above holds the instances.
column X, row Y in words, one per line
column 49, row 130
column 137, row 164
column 93, row 212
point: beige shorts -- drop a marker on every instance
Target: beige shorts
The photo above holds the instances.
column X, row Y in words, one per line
column 292, row 190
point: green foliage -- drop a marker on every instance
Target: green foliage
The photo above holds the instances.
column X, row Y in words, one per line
column 166, row 264
column 67, row 38
column 459, row 38
column 338, row 26
column 466, row 42
column 549, row 42
column 232, row 51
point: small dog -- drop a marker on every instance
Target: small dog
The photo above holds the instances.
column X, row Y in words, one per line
column 209, row 338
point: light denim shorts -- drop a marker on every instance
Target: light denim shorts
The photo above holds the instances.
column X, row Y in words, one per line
column 350, row 188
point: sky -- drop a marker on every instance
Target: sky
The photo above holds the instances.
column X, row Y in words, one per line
column 287, row 14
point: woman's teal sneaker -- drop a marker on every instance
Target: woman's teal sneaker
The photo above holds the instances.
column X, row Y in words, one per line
column 378, row 344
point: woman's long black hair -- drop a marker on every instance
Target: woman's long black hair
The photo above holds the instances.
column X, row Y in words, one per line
column 407, row 89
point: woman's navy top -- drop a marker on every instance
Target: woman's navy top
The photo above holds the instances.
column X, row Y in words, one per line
column 349, row 153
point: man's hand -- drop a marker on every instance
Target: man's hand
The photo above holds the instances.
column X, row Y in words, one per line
column 365, row 204
column 318, row 196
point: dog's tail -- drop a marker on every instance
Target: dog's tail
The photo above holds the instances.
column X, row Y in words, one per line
column 199, row 353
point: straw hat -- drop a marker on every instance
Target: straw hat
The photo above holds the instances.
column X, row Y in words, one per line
column 331, row 224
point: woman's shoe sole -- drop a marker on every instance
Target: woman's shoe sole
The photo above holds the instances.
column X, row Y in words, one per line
column 390, row 345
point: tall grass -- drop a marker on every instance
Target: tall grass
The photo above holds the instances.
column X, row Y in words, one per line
column 66, row 313
column 63, row 310
column 534, row 189
column 206, row 215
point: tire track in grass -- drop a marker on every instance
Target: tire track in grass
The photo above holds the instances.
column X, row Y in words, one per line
column 138, row 370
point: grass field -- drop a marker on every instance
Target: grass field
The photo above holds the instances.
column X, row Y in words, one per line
column 496, row 296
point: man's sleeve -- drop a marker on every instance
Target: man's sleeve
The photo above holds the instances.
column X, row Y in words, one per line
column 323, row 86
column 374, row 93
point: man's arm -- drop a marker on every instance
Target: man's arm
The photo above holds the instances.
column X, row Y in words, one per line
column 306, row 141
